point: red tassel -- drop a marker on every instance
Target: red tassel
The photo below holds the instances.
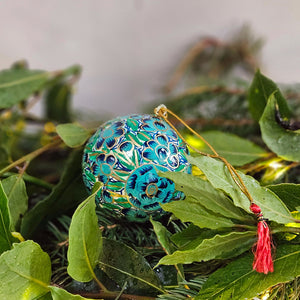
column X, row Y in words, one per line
column 263, row 262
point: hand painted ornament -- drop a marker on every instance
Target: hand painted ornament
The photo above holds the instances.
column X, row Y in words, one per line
column 126, row 154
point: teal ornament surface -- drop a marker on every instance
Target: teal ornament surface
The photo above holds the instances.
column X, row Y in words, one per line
column 126, row 154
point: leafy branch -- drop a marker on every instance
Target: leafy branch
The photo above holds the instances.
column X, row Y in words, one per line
column 202, row 248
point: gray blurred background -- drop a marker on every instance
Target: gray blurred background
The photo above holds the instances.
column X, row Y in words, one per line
column 129, row 48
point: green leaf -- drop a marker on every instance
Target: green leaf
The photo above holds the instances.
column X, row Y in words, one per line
column 18, row 84
column 58, row 102
column 123, row 264
column 289, row 193
column 191, row 210
column 218, row 175
column 259, row 93
column 236, row 150
column 208, row 196
column 65, row 196
column 285, row 143
column 163, row 236
column 85, row 240
column 25, row 272
column 5, row 235
column 188, row 234
column 191, row 237
column 47, row 296
column 15, row 191
column 72, row 134
column 218, row 247
column 238, row 281
column 61, row 294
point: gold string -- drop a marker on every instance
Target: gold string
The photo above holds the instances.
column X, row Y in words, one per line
column 162, row 111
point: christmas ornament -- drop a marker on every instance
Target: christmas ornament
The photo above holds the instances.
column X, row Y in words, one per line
column 126, row 154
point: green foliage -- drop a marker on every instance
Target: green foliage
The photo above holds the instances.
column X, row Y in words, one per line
column 220, row 246
column 202, row 249
column 15, row 189
column 58, row 102
column 285, row 143
column 289, row 193
column 66, row 195
column 219, row 176
column 190, row 209
column 18, row 84
column 163, row 236
column 73, row 135
column 61, row 294
column 260, row 91
column 85, row 240
column 236, row 150
column 30, row 269
column 238, row 281
column 5, row 235
column 124, row 265
column 206, row 197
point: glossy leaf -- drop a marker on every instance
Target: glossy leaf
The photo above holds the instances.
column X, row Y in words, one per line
column 289, row 193
column 218, row 247
column 206, row 194
column 238, row 281
column 123, row 264
column 259, row 93
column 218, row 175
column 285, row 143
column 15, row 191
column 236, row 150
column 25, row 272
column 18, row 84
column 192, row 210
column 72, row 134
column 61, row 294
column 5, row 235
column 65, row 196
column 85, row 240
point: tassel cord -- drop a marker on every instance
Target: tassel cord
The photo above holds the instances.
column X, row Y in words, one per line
column 263, row 262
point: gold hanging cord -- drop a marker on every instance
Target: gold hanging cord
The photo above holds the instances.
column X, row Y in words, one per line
column 162, row 111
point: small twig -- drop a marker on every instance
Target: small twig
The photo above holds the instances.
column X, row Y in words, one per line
column 108, row 227
column 32, row 102
column 30, row 156
column 188, row 59
column 63, row 243
column 22, row 169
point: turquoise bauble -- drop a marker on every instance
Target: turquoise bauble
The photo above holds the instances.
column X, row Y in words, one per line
column 126, row 154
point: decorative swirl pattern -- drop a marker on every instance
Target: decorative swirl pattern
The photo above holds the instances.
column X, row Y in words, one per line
column 126, row 154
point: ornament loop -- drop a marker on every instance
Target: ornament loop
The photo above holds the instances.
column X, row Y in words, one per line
column 161, row 110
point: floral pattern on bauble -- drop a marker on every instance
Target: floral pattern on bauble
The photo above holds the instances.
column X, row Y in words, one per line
column 147, row 190
column 126, row 155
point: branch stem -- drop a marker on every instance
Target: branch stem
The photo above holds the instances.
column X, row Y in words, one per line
column 29, row 157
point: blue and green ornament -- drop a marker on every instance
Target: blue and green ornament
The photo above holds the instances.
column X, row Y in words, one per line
column 126, row 154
